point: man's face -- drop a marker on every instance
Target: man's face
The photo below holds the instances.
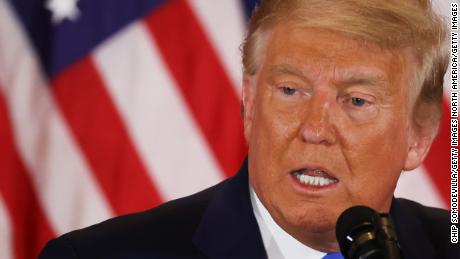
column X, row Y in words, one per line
column 328, row 127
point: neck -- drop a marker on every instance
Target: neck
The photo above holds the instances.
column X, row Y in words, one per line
column 321, row 241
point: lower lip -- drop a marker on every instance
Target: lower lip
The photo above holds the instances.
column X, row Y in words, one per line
column 309, row 189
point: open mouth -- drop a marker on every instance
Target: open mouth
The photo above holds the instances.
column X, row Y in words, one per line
column 314, row 177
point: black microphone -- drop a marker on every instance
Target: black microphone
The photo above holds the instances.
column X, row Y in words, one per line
column 363, row 233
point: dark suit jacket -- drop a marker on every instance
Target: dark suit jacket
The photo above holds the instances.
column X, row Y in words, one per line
column 219, row 223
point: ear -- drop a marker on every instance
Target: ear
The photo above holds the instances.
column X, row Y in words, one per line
column 420, row 141
column 248, row 96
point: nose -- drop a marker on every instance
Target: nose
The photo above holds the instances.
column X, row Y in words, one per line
column 316, row 126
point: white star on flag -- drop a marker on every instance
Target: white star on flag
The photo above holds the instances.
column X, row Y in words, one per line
column 63, row 9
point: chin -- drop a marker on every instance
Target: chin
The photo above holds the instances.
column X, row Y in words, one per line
column 313, row 220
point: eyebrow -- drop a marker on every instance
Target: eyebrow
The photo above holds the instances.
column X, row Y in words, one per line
column 362, row 78
column 289, row 70
column 348, row 78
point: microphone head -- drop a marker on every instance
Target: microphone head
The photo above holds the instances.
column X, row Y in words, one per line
column 351, row 218
column 355, row 233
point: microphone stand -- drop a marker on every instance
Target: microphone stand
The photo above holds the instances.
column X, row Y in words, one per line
column 386, row 235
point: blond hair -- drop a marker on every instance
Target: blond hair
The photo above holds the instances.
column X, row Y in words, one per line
column 391, row 24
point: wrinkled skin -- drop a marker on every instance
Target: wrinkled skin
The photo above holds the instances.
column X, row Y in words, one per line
column 320, row 98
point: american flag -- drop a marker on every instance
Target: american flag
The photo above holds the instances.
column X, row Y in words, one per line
column 109, row 107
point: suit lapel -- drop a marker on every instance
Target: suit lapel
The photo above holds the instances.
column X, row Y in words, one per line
column 228, row 227
column 412, row 236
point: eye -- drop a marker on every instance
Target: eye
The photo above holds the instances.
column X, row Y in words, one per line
column 288, row 90
column 359, row 102
column 360, row 107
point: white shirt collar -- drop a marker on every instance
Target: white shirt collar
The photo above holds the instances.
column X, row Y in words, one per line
column 277, row 242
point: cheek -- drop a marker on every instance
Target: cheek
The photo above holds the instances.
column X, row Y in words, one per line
column 375, row 157
column 274, row 125
column 273, row 130
column 376, row 151
column 380, row 140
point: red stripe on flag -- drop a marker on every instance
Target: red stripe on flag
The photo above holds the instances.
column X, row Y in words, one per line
column 101, row 134
column 437, row 162
column 206, row 88
column 30, row 228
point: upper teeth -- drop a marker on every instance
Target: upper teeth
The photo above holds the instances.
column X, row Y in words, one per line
column 314, row 180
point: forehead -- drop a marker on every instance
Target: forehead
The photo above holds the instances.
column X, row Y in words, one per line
column 313, row 52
